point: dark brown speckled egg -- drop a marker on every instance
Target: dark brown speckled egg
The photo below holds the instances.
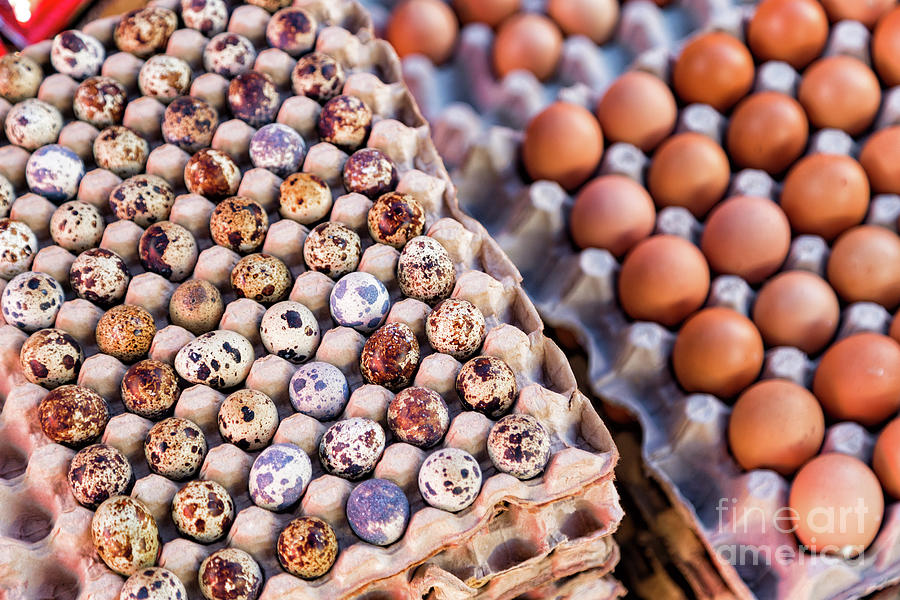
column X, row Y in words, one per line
column 395, row 218
column 73, row 415
column 150, row 389
column 317, row 76
column 212, row 173
column 168, row 249
column 307, row 547
column 125, row 332
column 418, row 416
column 100, row 101
column 345, row 121
column 293, row 30
column 253, row 98
column 99, row 472
column 369, row 172
column 519, row 445
column 99, row 276
column 230, row 574
column 390, row 356
column 239, row 223
column 189, row 123
column 488, row 385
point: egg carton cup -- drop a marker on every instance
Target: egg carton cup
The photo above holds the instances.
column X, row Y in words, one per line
column 516, row 538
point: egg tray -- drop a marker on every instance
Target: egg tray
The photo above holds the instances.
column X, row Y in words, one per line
column 518, row 538
column 478, row 129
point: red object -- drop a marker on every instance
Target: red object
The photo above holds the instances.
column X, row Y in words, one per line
column 25, row 22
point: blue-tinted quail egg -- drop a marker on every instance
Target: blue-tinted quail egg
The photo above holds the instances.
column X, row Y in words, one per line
column 54, row 172
column 319, row 390
column 378, row 511
column 278, row 148
column 279, row 476
column 360, row 301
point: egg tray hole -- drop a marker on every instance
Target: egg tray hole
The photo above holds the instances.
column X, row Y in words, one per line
column 27, row 522
column 12, row 462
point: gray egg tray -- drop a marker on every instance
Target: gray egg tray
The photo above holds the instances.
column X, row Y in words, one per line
column 478, row 124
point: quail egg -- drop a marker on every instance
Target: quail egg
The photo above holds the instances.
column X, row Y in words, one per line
column 164, row 77
column 390, row 356
column 317, row 76
column 100, row 276
column 253, row 98
column 352, row 447
column 219, row 359
column 18, row 245
column 168, row 249
column 125, row 535
column 278, row 148
column 519, row 445
column 293, row 30
column 7, row 196
column 229, row 55
column 450, row 479
column 99, row 472
column 153, row 583
column 76, row 226
column 319, row 390
column 360, row 301
column 20, row 77
column 304, row 198
column 370, row 173
column 100, row 101
column 175, row 448
column 189, row 123
column 145, row 31
column 230, row 574
column 248, row 419
column 54, row 172
column 345, row 121
column 378, row 511
column 279, row 476
column 307, row 547
column 425, row 271
column 333, row 249
column 455, row 327
column 261, row 277
column 51, row 358
column 239, row 223
column 395, row 218
column 31, row 300
column 203, row 511
column 209, row 17
column 197, row 306
column 121, row 151
column 76, row 54
column 212, row 173
column 125, row 332
column 73, row 415
column 33, row 123
column 290, row 330
column 270, row 5
column 418, row 416
column 149, row 388
column 144, row 199
column 488, row 385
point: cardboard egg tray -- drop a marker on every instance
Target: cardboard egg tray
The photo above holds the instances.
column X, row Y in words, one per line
column 701, row 508
column 549, row 537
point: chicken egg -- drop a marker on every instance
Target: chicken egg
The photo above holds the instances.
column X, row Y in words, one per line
column 793, row 31
column 563, row 143
column 638, row 108
column 423, row 27
column 714, row 68
column 690, row 170
column 489, row 12
column 867, row 12
column 530, row 42
column 880, row 157
column 864, row 266
column 886, row 458
column 596, row 19
column 612, row 212
column 886, row 48
column 768, row 131
column 797, row 308
column 840, row 92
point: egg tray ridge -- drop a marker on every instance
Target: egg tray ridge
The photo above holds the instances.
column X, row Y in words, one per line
column 517, row 537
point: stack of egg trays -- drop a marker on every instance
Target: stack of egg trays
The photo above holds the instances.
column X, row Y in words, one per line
column 684, row 446
column 548, row 537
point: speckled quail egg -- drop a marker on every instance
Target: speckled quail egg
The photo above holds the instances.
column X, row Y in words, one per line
column 51, row 357
column 175, row 448
column 360, row 301
column 125, row 332
column 519, row 445
column 352, row 447
column 31, row 300
column 76, row 54
column 289, row 330
column 144, row 199
column 293, row 30
column 100, row 101
column 7, row 196
column 239, row 223
column 54, row 172
column 319, row 390
column 99, row 472
column 488, row 385
column 450, row 479
column 230, row 574
column 279, row 476
column 168, row 249
column 189, row 123
column 229, row 54
column 253, row 98
column 345, row 121
column 307, row 547
column 20, row 77
column 33, row 123
column 248, row 419
column 369, row 172
column 145, row 31
column 378, row 511
column 164, row 77
column 212, row 173
column 153, row 583
column 278, row 148
column 219, row 359
column 197, row 306
column 149, row 388
column 121, row 150
column 73, row 415
column 425, row 271
column 333, row 249
column 390, row 356
column 304, row 198
column 418, row 416
column 18, row 245
column 261, row 277
column 100, row 276
column 270, row 5
column 203, row 511
column 455, row 327
column 317, row 76
column 76, row 226
column 209, row 17
column 125, row 535
column 395, row 218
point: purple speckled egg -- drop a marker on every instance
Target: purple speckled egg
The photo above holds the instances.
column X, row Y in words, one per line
column 278, row 148
column 378, row 511
column 450, row 479
column 54, row 172
column 360, row 301
column 319, row 390
column 279, row 476
column 351, row 448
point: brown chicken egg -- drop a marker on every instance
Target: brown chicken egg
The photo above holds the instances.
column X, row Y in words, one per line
column 775, row 424
column 768, row 131
column 563, row 143
column 840, row 92
column 637, row 108
column 864, row 266
column 489, row 12
column 895, row 327
column 612, row 212
column 880, row 157
column 423, row 27
column 797, row 308
column 690, row 170
column 793, row 31
column 527, row 41
column 886, row 48
column 663, row 279
column 886, row 458
column 595, row 19
column 858, row 379
column 746, row 236
column 836, row 504
column 866, row 12
column 718, row 351
column 825, row 194
column 714, row 68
